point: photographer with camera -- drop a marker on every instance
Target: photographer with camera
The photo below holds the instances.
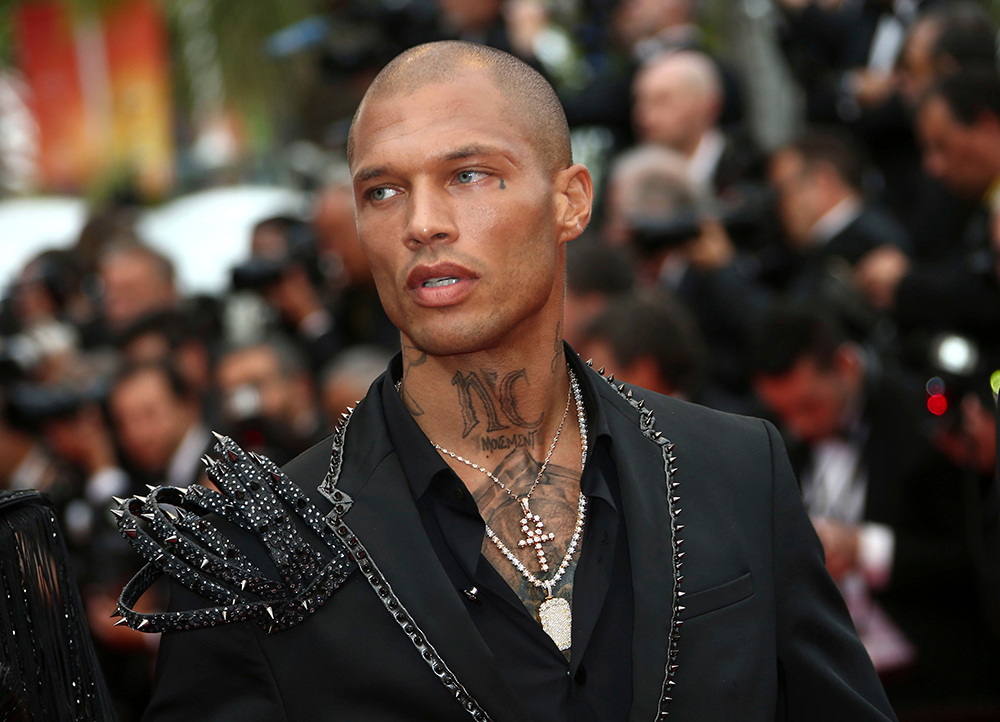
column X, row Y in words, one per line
column 284, row 270
column 887, row 506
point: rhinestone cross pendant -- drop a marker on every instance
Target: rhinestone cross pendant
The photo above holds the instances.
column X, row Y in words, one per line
column 533, row 529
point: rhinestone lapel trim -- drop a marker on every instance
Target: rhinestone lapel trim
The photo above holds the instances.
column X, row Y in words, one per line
column 357, row 552
column 646, row 426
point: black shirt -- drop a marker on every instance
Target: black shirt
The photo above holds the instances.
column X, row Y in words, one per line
column 596, row 682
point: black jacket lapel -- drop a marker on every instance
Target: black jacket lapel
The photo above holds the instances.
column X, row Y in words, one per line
column 642, row 476
column 391, row 537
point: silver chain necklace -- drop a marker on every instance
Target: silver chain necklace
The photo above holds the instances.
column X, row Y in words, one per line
column 555, row 613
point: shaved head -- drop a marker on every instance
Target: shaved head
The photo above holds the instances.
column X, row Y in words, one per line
column 531, row 100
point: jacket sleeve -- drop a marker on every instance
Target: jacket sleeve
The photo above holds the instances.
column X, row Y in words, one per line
column 824, row 671
column 218, row 673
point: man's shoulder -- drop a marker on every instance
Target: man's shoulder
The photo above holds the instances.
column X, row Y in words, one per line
column 693, row 428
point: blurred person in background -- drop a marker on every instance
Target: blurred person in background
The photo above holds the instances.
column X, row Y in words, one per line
column 346, row 380
column 959, row 124
column 157, row 420
column 887, row 507
column 595, row 274
column 269, row 398
column 172, row 337
column 649, row 340
column 136, row 280
column 284, row 269
column 819, row 180
column 678, row 105
column 359, row 313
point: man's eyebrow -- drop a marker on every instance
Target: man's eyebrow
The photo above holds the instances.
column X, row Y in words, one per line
column 368, row 174
column 475, row 149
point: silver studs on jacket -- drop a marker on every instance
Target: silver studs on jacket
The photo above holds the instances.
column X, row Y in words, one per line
column 357, row 552
column 646, row 425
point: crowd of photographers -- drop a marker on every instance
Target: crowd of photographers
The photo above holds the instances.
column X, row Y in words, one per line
column 845, row 285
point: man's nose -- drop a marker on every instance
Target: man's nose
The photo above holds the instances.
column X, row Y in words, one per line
column 431, row 216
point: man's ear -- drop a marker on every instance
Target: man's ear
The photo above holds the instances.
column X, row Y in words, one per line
column 574, row 190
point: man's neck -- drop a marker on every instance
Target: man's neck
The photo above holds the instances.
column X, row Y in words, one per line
column 484, row 405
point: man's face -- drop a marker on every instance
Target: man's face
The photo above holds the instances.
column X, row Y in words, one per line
column 636, row 20
column 810, row 401
column 668, row 110
column 457, row 215
column 917, row 72
column 150, row 421
column 798, row 197
column 257, row 368
column 133, row 287
column 956, row 153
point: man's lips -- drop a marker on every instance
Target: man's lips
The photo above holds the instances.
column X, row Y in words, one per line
column 440, row 284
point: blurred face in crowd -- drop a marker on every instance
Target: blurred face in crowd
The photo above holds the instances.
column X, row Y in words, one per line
column 134, row 285
column 637, row 20
column 337, row 232
column 963, row 156
column 810, row 400
column 676, row 101
column 150, row 420
column 462, row 219
column 469, row 15
column 917, row 68
column 801, row 201
column 258, row 368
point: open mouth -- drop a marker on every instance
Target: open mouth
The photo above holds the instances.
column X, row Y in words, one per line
column 439, row 282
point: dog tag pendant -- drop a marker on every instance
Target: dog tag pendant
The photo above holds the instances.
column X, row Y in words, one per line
column 557, row 621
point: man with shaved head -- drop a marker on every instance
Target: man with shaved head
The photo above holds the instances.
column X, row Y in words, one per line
column 678, row 104
column 513, row 518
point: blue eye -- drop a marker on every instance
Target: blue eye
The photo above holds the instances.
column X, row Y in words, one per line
column 469, row 176
column 380, row 194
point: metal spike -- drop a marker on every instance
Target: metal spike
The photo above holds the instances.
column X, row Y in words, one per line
column 680, row 593
column 204, row 563
column 131, row 532
column 117, row 613
column 611, row 378
column 680, row 608
column 590, row 362
column 121, row 621
column 206, row 460
column 225, row 615
column 628, row 394
column 143, row 623
column 270, row 611
column 218, row 436
column 119, row 500
column 675, row 499
column 150, row 487
column 680, row 528
column 350, row 409
column 173, row 539
column 243, row 584
column 305, row 605
column 601, row 371
column 344, row 415
column 170, row 515
column 149, row 516
column 141, row 498
column 621, row 388
column 642, row 403
column 118, row 513
column 181, row 514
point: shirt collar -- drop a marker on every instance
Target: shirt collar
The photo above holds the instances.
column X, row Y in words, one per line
column 421, row 463
column 704, row 161
column 835, row 220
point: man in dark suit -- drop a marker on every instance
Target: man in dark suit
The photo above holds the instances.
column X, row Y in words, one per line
column 887, row 506
column 514, row 519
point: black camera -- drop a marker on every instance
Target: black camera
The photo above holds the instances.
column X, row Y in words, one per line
column 29, row 406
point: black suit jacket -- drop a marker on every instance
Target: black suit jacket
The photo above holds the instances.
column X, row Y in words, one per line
column 765, row 634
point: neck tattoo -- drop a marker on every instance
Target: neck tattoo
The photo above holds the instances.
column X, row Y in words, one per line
column 554, row 613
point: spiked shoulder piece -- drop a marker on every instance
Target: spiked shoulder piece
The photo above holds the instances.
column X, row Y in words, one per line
column 169, row 529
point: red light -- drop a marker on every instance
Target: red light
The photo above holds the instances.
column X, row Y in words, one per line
column 937, row 404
